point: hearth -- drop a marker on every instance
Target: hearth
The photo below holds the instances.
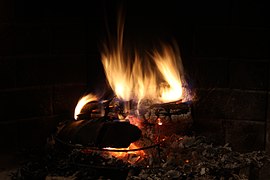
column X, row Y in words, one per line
column 140, row 130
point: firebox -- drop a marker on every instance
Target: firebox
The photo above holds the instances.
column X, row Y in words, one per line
column 144, row 128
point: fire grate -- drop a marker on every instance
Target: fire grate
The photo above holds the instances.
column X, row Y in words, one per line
column 111, row 161
column 113, row 128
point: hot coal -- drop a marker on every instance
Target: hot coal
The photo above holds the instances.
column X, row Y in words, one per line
column 99, row 133
column 174, row 117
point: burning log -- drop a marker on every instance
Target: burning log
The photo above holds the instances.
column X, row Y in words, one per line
column 172, row 118
column 99, row 133
column 91, row 110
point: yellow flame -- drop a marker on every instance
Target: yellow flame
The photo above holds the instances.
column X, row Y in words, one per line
column 82, row 102
column 167, row 62
column 117, row 69
column 144, row 80
column 138, row 77
column 136, row 81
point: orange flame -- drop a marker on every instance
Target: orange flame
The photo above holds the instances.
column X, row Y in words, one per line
column 168, row 63
column 130, row 79
column 82, row 102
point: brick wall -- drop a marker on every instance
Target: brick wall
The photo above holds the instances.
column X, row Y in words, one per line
column 48, row 60
column 229, row 64
column 225, row 50
column 49, row 57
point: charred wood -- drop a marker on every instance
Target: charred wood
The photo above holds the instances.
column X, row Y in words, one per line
column 99, row 133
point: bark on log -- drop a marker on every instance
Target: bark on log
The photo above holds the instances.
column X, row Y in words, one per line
column 99, row 133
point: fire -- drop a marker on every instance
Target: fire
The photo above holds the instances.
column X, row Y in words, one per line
column 159, row 77
column 156, row 76
column 131, row 156
column 168, row 65
column 116, row 66
column 82, row 102
column 135, row 121
column 159, row 122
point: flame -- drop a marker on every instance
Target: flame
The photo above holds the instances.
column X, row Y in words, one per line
column 82, row 102
column 136, row 77
column 136, row 81
column 168, row 64
column 116, row 67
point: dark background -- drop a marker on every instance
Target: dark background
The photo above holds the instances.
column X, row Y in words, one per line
column 50, row 57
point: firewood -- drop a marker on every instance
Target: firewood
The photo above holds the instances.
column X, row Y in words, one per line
column 172, row 118
column 99, row 133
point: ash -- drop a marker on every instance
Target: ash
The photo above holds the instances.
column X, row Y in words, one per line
column 196, row 158
column 180, row 157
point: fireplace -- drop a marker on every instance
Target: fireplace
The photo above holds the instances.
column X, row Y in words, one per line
column 49, row 58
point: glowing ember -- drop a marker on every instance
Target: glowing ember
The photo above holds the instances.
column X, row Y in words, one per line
column 131, row 156
column 135, row 121
column 82, row 102
column 159, row 122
